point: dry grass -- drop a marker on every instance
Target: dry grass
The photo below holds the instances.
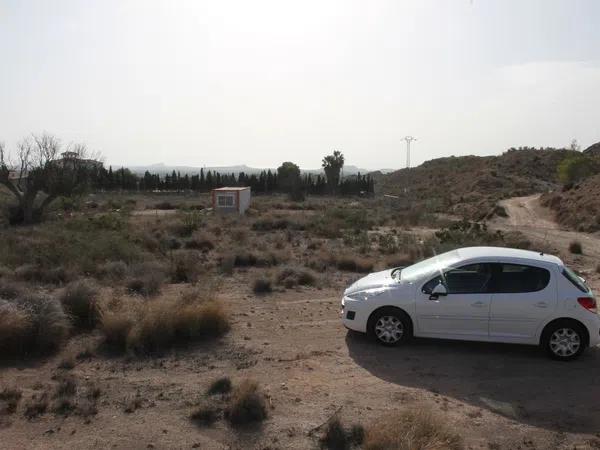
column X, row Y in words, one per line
column 291, row 277
column 80, row 301
column 148, row 327
column 205, row 414
column 411, row 430
column 36, row 405
column 247, row 404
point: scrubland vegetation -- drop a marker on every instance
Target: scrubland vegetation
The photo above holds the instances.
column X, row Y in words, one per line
column 143, row 276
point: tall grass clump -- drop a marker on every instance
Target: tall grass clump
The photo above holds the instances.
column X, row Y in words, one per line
column 150, row 327
column 411, row 430
column 247, row 404
column 80, row 301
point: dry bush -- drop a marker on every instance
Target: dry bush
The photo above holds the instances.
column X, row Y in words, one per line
column 291, row 277
column 36, row 405
column 411, row 430
column 116, row 325
column 354, row 264
column 205, row 414
column 262, row 285
column 10, row 290
column 32, row 324
column 227, row 264
column 220, row 386
column 575, row 247
column 247, row 404
column 336, row 437
column 154, row 326
column 5, row 272
column 80, row 301
column 200, row 241
column 113, row 270
column 146, row 278
column 9, row 399
column 186, row 266
column 45, row 275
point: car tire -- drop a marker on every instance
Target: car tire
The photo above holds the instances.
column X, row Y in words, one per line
column 390, row 326
column 564, row 340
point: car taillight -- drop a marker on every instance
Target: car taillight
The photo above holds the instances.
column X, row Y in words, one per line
column 588, row 303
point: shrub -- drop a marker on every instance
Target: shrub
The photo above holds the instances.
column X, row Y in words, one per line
column 31, row 323
column 80, row 301
column 160, row 324
column 336, row 437
column 36, row 405
column 575, row 247
column 354, row 264
column 270, row 224
column 9, row 400
column 262, row 285
column 291, row 277
column 247, row 404
column 220, row 386
column 200, row 242
column 10, row 290
column 165, row 206
column 116, row 326
column 35, row 273
column 113, row 270
column 410, row 430
column 186, row 266
column 205, row 415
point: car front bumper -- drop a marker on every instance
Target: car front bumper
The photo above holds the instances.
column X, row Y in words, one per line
column 355, row 314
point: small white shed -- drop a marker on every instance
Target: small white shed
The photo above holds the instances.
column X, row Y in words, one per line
column 231, row 199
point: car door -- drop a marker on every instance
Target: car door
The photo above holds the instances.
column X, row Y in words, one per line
column 523, row 296
column 461, row 314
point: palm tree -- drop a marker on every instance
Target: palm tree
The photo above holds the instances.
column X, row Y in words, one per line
column 332, row 164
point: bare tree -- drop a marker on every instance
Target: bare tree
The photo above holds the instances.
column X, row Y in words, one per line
column 36, row 175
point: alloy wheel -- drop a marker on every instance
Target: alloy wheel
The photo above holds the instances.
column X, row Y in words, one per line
column 389, row 329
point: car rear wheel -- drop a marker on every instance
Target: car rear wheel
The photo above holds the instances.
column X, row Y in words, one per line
column 564, row 340
column 390, row 326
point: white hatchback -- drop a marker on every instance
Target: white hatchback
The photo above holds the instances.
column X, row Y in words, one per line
column 489, row 294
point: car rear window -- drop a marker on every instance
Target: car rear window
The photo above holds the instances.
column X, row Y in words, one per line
column 575, row 280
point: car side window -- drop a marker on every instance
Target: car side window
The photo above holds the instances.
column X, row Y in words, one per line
column 469, row 279
column 518, row 278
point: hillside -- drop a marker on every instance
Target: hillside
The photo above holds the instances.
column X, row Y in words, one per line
column 577, row 208
column 470, row 186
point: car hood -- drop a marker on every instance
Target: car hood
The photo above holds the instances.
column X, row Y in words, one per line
column 373, row 280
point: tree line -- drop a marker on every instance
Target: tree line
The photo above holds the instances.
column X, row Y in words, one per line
column 267, row 181
column 41, row 170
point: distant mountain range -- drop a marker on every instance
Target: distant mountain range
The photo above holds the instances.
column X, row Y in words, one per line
column 161, row 169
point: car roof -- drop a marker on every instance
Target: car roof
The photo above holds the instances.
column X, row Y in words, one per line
column 507, row 253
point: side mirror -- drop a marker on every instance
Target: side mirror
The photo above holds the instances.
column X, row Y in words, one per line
column 438, row 291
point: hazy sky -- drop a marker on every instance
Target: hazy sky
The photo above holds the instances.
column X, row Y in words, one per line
column 260, row 82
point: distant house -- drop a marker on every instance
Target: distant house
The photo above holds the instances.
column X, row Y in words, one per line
column 74, row 159
column 231, row 199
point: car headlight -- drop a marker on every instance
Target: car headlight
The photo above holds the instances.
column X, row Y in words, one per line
column 366, row 294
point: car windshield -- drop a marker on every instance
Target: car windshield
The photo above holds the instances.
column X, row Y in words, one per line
column 575, row 279
column 433, row 264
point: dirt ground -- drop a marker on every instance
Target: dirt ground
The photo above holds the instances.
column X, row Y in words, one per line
column 292, row 342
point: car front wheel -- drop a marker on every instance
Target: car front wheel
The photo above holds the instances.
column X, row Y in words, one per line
column 390, row 326
column 564, row 340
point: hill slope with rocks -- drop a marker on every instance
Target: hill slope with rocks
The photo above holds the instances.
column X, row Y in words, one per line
column 471, row 186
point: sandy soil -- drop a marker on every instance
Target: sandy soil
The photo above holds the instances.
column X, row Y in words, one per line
column 495, row 396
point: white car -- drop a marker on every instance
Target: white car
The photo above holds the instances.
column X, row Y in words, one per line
column 478, row 294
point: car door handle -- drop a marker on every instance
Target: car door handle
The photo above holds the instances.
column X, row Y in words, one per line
column 478, row 304
column 541, row 305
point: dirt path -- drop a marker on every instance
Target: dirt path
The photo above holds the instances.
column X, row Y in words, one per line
column 525, row 214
